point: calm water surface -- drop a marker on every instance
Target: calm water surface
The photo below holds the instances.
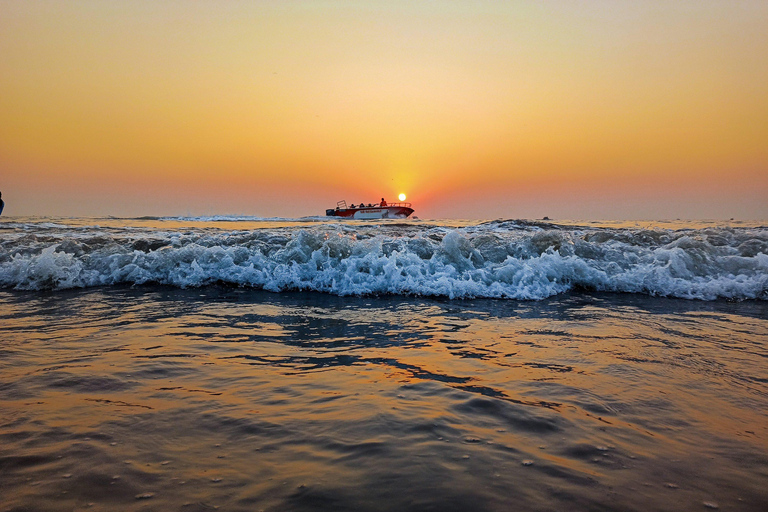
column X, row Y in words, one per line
column 162, row 398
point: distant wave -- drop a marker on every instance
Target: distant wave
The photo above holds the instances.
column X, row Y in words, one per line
column 500, row 259
column 222, row 218
column 242, row 218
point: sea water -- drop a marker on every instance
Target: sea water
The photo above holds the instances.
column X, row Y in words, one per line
column 314, row 364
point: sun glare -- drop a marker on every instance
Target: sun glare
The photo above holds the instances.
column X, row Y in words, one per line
column 401, row 197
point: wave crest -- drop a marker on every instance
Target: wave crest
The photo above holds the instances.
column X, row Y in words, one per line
column 456, row 263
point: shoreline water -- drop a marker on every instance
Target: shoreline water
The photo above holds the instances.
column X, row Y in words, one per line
column 160, row 398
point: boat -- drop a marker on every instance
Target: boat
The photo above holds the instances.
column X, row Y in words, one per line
column 370, row 211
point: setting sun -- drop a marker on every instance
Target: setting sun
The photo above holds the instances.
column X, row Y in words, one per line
column 401, row 197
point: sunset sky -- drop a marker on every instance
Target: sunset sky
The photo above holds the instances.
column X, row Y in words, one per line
column 474, row 109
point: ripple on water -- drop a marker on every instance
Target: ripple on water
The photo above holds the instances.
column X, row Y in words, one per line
column 529, row 418
column 85, row 383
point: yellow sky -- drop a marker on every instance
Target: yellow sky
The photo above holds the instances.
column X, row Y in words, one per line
column 474, row 109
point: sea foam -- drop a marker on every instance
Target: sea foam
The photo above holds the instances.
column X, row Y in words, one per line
column 497, row 260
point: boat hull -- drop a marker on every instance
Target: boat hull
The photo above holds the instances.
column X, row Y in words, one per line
column 369, row 213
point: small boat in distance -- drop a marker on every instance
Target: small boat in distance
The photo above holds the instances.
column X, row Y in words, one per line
column 382, row 210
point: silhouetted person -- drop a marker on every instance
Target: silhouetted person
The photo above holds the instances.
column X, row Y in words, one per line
column 383, row 202
column 2, row 204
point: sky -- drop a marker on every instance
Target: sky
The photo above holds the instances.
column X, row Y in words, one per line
column 473, row 109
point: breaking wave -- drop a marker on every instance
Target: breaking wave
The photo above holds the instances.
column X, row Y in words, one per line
column 241, row 218
column 501, row 259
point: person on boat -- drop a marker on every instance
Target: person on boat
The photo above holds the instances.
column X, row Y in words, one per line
column 383, row 202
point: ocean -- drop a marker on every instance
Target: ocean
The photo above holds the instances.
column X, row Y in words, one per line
column 245, row 364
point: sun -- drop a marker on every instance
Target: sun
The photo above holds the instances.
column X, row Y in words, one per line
column 401, row 197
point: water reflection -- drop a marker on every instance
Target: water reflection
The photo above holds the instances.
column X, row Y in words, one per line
column 250, row 400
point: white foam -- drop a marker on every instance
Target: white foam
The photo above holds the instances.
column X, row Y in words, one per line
column 455, row 263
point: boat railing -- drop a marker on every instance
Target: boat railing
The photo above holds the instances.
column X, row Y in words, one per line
column 342, row 205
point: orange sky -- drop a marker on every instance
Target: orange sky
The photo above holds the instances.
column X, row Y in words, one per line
column 474, row 109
